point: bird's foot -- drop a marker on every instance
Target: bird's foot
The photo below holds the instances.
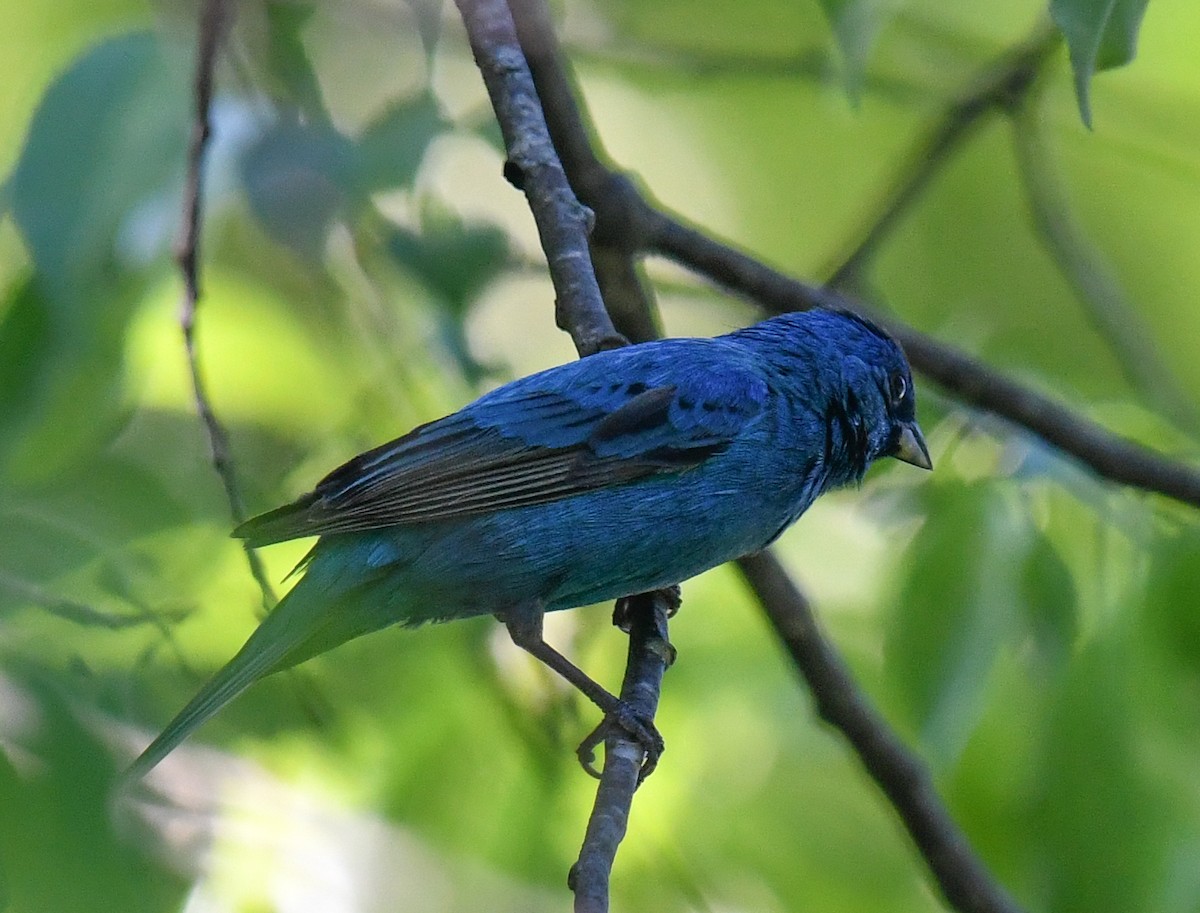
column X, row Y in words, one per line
column 624, row 720
column 622, row 611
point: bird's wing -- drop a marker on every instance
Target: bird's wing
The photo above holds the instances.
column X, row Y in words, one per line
column 549, row 437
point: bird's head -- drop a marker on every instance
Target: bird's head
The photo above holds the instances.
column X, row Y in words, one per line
column 877, row 402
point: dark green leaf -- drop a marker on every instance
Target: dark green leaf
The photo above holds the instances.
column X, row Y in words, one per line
column 57, row 839
column 1050, row 602
column 298, row 178
column 1172, row 602
column 1100, row 814
column 392, row 147
column 292, row 74
column 1100, row 34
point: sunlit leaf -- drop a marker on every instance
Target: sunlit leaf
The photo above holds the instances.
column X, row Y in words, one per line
column 107, row 136
column 1100, row 34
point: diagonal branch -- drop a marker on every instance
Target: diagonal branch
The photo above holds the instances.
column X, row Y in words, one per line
column 623, row 211
column 214, row 22
column 533, row 166
column 906, row 782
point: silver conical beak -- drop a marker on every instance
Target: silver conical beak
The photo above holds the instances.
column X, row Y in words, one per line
column 911, row 447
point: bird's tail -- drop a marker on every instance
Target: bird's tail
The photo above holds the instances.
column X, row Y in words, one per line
column 251, row 663
column 294, row 630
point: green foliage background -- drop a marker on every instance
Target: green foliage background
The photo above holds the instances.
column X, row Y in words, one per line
column 1033, row 632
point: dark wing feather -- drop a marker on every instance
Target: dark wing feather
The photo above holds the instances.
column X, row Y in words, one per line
column 472, row 463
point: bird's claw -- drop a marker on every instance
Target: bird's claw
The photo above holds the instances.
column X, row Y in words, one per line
column 624, row 720
column 623, row 609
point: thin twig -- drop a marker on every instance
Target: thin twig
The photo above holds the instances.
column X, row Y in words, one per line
column 214, row 21
column 649, row 655
column 563, row 226
column 901, row 775
column 1083, row 265
column 1001, row 88
column 81, row 613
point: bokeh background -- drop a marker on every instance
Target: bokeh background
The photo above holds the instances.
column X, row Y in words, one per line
column 1033, row 632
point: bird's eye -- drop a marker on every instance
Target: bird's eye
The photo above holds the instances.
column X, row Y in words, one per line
column 899, row 387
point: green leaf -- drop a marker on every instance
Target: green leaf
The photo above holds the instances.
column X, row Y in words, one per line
column 392, row 147
column 1100, row 34
column 1170, row 603
column 1101, row 811
column 1050, row 602
column 291, row 73
column 109, row 134
column 298, row 178
column 428, row 14
column 954, row 611
column 856, row 24
column 455, row 262
column 58, row 842
column 107, row 138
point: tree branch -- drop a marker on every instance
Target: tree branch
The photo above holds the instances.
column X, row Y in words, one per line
column 214, row 22
column 650, row 653
column 901, row 775
column 563, row 226
column 533, row 166
column 627, row 295
column 623, row 211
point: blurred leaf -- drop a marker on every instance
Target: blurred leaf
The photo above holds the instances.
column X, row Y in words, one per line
column 107, row 136
column 1050, row 602
column 456, row 262
column 1102, row 824
column 952, row 615
column 57, row 841
column 428, row 14
column 47, row 532
column 855, row 24
column 1100, row 34
column 298, row 178
column 393, row 146
column 1172, row 604
column 290, row 69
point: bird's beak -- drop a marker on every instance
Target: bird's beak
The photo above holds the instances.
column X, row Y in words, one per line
column 911, row 446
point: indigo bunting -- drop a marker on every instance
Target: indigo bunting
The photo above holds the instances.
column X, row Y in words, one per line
column 624, row 472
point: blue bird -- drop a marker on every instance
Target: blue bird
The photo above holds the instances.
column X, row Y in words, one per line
column 628, row 471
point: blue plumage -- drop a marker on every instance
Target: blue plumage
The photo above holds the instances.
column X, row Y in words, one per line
column 624, row 472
